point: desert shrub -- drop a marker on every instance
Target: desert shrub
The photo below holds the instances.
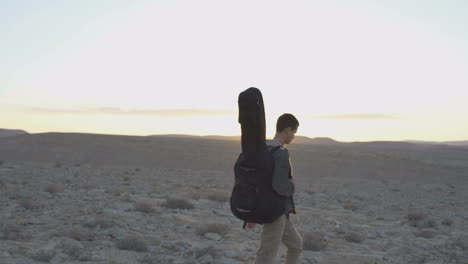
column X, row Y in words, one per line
column 151, row 258
column 416, row 216
column 116, row 193
column 461, row 241
column 175, row 203
column 144, row 207
column 28, row 204
column 131, row 243
column 194, row 196
column 315, row 241
column 88, row 186
column 351, row 206
column 52, row 188
column 425, row 223
column 425, row 234
column 71, row 247
column 81, row 234
column 99, row 221
column 219, row 197
column 354, row 237
column 218, row 228
column 2, row 185
column 11, row 232
column 447, row 222
column 420, row 219
column 126, row 198
column 43, row 255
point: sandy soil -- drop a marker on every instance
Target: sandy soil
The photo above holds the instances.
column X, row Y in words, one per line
column 83, row 198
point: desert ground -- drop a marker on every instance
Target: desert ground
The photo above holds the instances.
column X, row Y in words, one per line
column 86, row 198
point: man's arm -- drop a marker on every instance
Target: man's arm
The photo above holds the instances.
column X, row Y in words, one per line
column 282, row 183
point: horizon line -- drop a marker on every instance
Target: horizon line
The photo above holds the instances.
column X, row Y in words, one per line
column 233, row 136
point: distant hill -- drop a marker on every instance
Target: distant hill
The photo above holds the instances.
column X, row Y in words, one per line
column 223, row 137
column 175, row 136
column 297, row 139
column 11, row 132
column 450, row 143
column 316, row 140
column 456, row 143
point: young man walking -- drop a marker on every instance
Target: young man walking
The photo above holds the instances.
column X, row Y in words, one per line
column 282, row 229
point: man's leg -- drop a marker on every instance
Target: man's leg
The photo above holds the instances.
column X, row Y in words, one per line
column 270, row 241
column 293, row 241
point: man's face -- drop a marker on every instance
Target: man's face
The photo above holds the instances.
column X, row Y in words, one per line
column 290, row 133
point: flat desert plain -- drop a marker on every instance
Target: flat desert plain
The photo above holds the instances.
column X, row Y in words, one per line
column 86, row 198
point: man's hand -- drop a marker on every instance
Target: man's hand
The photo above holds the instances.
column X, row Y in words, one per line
column 251, row 225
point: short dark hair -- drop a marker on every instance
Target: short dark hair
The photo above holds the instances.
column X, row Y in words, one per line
column 285, row 121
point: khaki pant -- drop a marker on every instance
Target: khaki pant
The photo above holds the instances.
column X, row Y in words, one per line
column 281, row 230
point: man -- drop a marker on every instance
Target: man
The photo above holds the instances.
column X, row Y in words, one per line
column 282, row 229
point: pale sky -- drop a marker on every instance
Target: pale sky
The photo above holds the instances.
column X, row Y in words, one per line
column 351, row 70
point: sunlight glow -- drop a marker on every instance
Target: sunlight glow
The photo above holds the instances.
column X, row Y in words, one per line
column 347, row 72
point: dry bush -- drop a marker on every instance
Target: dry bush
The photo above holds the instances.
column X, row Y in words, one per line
column 132, row 243
column 28, row 204
column 315, row 241
column 416, row 216
column 81, row 234
column 425, row 234
column 151, row 258
column 420, row 219
column 194, row 196
column 11, row 232
column 425, row 223
column 351, row 206
column 98, row 222
column 447, row 222
column 144, row 207
column 355, row 237
column 175, row 203
column 72, row 248
column 218, row 228
column 219, row 197
column 53, row 188
column 43, row 255
column 116, row 193
column 461, row 241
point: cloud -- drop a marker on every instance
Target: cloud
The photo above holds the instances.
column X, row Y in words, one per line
column 355, row 117
column 182, row 112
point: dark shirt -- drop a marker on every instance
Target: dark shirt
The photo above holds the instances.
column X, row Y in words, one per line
column 283, row 182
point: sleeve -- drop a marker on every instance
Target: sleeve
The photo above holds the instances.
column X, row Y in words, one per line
column 282, row 183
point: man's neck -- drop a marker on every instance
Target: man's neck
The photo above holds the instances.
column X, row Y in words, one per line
column 279, row 138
